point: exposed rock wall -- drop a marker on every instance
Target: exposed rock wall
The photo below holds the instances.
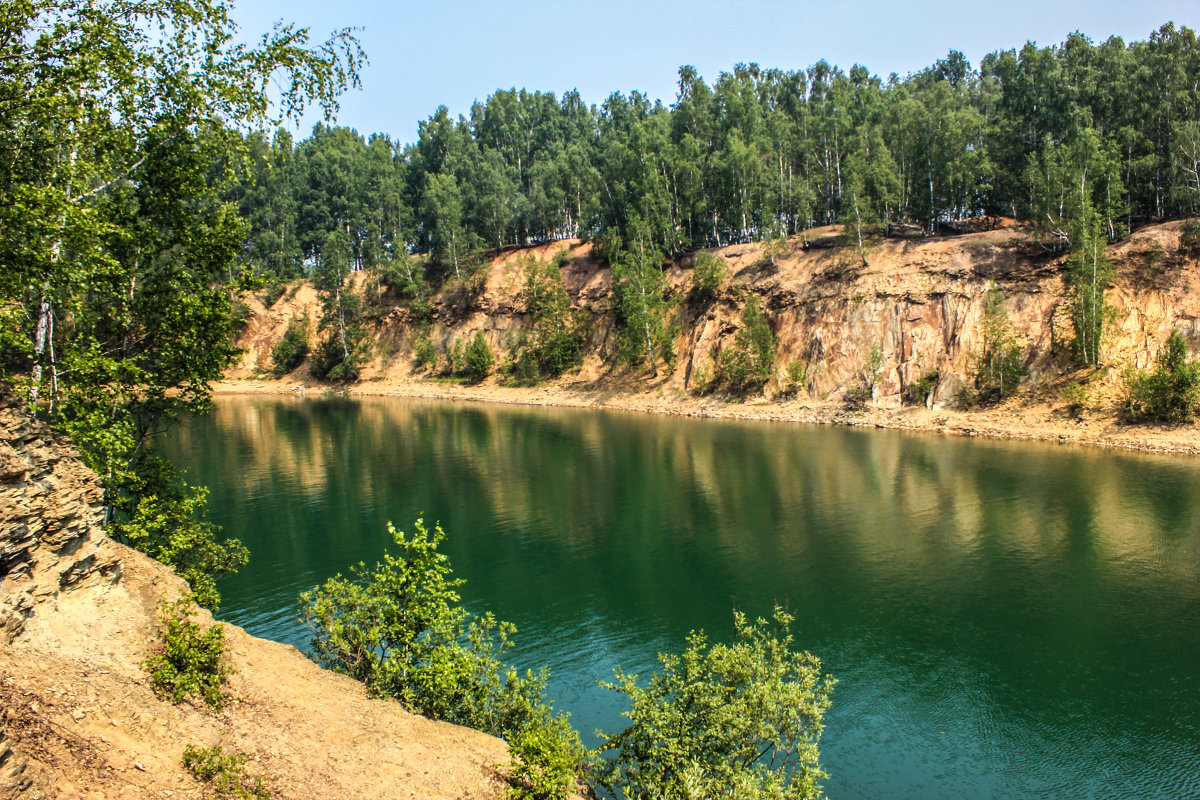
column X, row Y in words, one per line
column 920, row 302
column 49, row 530
column 50, row 517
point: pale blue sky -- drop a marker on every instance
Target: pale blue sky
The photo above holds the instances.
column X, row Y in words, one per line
column 452, row 52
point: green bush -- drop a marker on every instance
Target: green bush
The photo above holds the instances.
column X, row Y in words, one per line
column 190, row 661
column 478, row 359
column 163, row 517
column 546, row 762
column 226, row 773
column 1189, row 237
column 797, row 378
column 425, row 354
column 1000, row 367
column 707, row 276
column 748, row 364
column 558, row 332
column 333, row 362
column 524, row 369
column 399, row 629
column 275, row 289
column 290, row 351
column 1076, row 398
column 1172, row 392
column 856, row 397
column 455, row 358
column 917, row 393
column 239, row 315
column 735, row 720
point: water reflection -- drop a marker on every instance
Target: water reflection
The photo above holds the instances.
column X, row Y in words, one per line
column 1005, row 619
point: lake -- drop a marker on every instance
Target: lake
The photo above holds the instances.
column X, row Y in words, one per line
column 1005, row 620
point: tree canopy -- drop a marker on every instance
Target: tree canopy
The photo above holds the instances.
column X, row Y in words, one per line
column 119, row 136
column 1076, row 138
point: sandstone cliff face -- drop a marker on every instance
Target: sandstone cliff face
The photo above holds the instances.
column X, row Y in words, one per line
column 50, row 544
column 920, row 301
column 50, row 514
column 78, row 719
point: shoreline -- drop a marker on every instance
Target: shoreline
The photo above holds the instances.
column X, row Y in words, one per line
column 1018, row 419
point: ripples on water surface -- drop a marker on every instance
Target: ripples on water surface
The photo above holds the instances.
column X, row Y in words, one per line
column 1004, row 620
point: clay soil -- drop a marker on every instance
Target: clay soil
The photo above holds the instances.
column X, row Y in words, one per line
column 80, row 711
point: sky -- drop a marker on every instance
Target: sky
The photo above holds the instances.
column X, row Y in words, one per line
column 453, row 52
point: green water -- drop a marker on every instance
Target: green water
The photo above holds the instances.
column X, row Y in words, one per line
column 1005, row 620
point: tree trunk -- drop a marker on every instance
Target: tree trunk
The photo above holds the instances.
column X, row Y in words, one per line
column 342, row 323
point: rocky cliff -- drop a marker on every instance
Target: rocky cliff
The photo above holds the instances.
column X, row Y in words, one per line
column 79, row 615
column 919, row 301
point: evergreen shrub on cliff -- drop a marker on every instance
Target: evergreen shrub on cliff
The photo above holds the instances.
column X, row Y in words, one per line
column 290, row 351
column 1172, row 392
column 749, row 362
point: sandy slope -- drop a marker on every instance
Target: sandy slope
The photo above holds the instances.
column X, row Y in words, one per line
column 79, row 615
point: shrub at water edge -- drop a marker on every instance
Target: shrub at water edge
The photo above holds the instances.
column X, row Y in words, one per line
column 1172, row 392
column 399, row 628
column 738, row 720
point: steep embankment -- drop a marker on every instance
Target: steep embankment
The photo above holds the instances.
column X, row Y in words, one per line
column 78, row 615
column 919, row 301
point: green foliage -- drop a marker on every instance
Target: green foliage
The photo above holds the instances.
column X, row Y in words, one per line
column 919, row 391
column 724, row 720
column 399, row 629
column 749, row 363
column 1089, row 273
column 872, row 368
column 523, row 368
column 120, row 248
column 1172, row 392
column 1189, row 237
column 701, row 379
column 1039, row 133
column 163, row 517
column 239, row 315
column 707, row 276
column 341, row 363
column 775, row 246
column 405, row 278
column 643, row 310
column 797, row 378
column 455, row 358
column 856, row 397
column 226, row 773
column 425, row 354
column 290, row 351
column 478, row 359
column 191, row 661
column 555, row 342
column 999, row 368
column 1151, row 263
column 1075, row 395
column 546, row 761
column 273, row 291
column 345, row 348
